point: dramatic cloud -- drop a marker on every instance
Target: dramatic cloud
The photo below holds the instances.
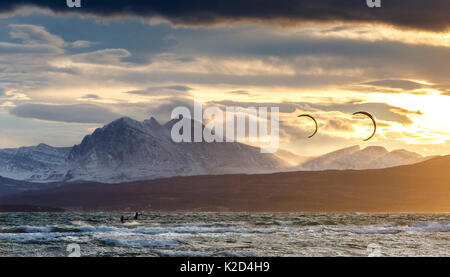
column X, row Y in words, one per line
column 330, row 66
column 81, row 44
column 32, row 34
column 239, row 92
column 163, row 90
column 338, row 124
column 283, row 107
column 379, row 110
column 405, row 111
column 80, row 113
column 397, row 84
column 431, row 14
column 105, row 57
column 91, row 96
column 162, row 110
column 34, row 40
column 14, row 48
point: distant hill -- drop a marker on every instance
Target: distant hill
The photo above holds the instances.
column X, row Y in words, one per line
column 11, row 186
column 354, row 157
column 422, row 187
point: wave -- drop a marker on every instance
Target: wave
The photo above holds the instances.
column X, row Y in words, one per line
column 184, row 230
column 241, row 254
column 283, row 223
column 27, row 237
column 166, row 230
column 26, row 229
column 172, row 253
column 141, row 243
column 27, row 233
column 431, row 226
column 365, row 231
column 80, row 223
column 209, row 224
column 30, row 233
column 424, row 227
column 132, row 223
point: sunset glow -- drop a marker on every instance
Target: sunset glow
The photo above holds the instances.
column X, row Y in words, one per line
column 330, row 69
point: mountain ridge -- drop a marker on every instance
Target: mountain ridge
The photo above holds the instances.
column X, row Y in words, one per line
column 370, row 157
column 128, row 150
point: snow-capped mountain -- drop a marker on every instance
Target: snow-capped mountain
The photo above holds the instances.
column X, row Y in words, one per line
column 127, row 150
column 354, row 157
column 34, row 163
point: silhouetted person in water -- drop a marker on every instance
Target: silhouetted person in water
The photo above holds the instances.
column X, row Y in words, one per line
column 135, row 217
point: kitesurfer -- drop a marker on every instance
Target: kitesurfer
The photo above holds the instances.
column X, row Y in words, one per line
column 136, row 215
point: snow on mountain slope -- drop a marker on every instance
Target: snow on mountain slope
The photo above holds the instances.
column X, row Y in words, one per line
column 34, row 163
column 371, row 157
column 127, row 150
column 130, row 150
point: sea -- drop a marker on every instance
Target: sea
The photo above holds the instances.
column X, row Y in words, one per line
column 224, row 234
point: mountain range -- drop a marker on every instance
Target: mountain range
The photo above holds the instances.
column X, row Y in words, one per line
column 371, row 157
column 129, row 150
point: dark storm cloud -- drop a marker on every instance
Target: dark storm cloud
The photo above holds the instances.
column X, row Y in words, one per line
column 420, row 14
column 80, row 113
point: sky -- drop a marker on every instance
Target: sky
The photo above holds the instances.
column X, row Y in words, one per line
column 65, row 72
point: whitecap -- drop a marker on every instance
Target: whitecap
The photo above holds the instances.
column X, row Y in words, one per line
column 171, row 253
column 36, row 229
column 80, row 223
column 283, row 223
column 141, row 243
column 241, row 254
column 201, row 230
column 26, row 237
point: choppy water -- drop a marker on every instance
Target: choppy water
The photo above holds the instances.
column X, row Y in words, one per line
column 225, row 234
